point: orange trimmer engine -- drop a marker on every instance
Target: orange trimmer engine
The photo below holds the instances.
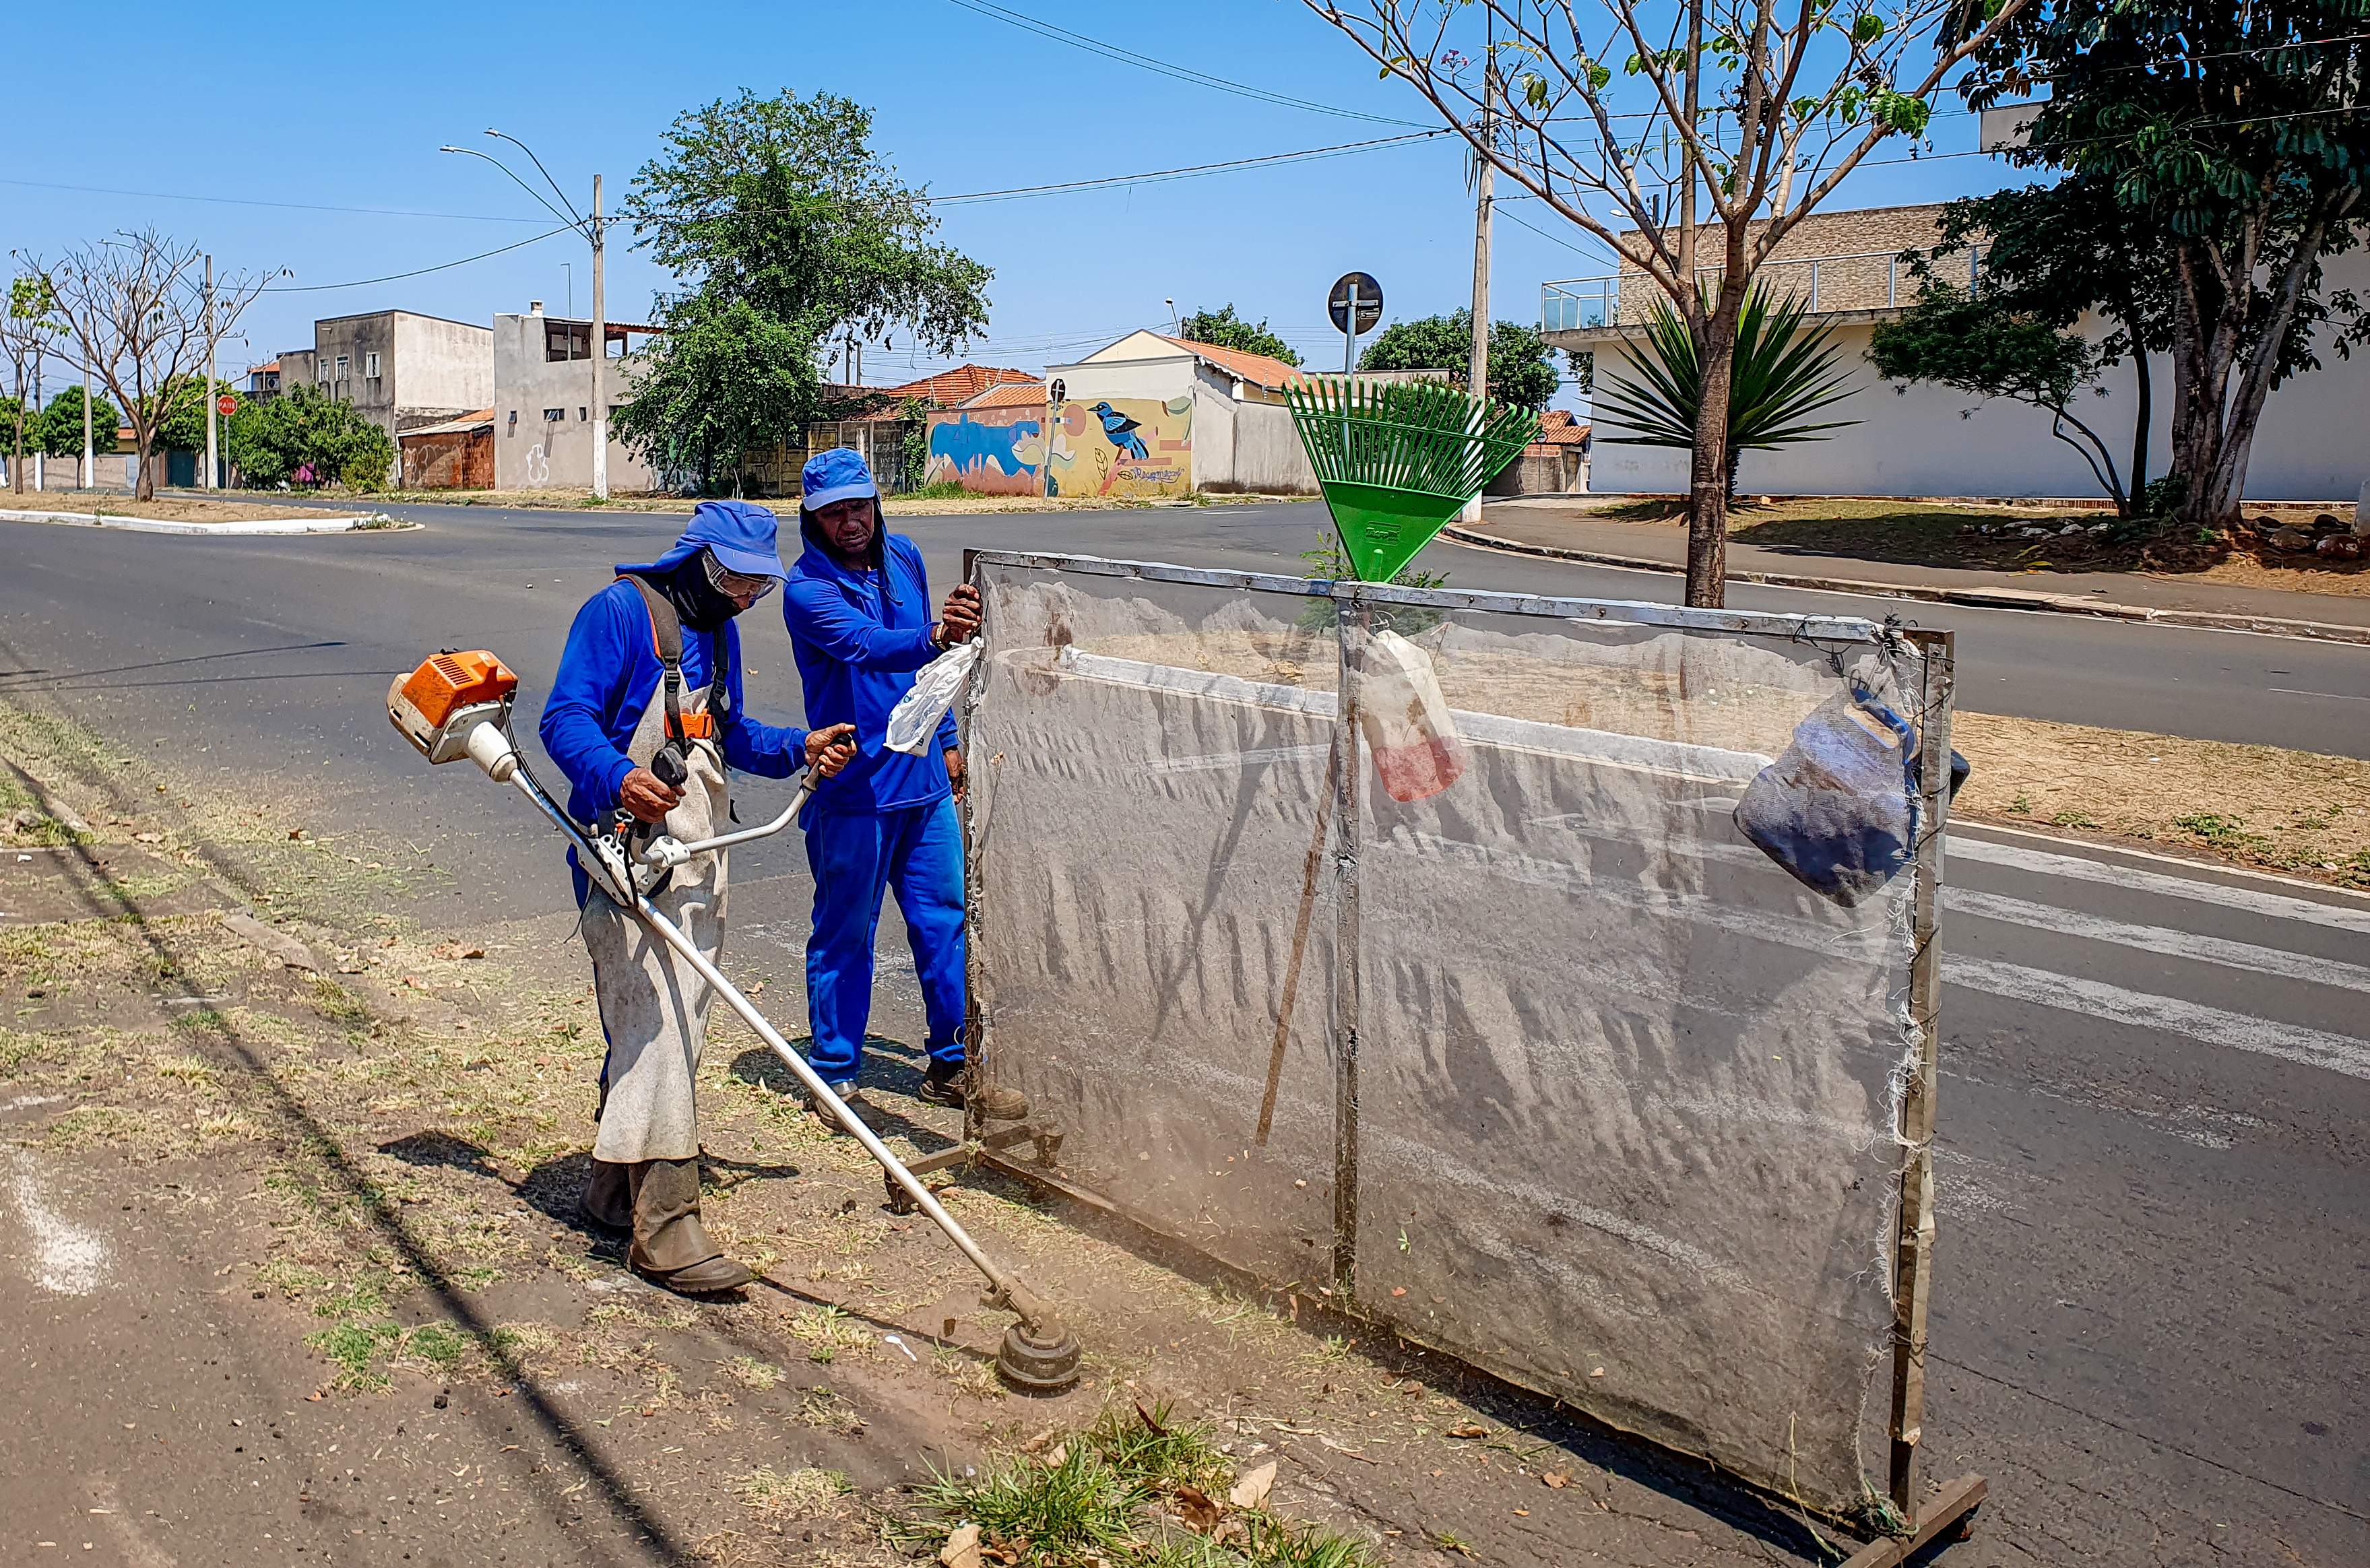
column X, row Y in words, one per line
column 439, row 703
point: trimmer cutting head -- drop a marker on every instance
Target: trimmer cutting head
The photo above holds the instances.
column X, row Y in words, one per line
column 1036, row 1364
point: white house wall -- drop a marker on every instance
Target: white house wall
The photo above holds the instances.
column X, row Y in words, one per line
column 2312, row 444
column 532, row 452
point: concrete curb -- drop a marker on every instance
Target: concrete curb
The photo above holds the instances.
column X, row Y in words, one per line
column 1982, row 598
column 375, row 521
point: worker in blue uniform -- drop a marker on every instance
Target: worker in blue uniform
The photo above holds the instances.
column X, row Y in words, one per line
column 858, row 605
column 646, row 715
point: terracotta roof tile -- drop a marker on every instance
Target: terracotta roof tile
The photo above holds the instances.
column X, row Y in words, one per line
column 1029, row 394
column 1259, row 369
column 948, row 388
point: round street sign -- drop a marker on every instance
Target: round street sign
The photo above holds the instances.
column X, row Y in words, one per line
column 226, row 404
column 1370, row 302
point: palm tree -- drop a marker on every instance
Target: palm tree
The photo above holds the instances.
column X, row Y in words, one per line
column 1782, row 374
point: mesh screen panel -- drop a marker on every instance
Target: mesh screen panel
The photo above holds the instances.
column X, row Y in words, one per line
column 1621, row 1095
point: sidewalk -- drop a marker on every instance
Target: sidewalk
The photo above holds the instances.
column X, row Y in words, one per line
column 1567, row 531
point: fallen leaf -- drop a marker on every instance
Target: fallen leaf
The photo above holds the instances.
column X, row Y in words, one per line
column 1157, row 1429
column 293, row 832
column 1557, row 1478
column 1251, row 1491
column 1435, row 1474
column 1056, row 1456
column 1596, row 1371
column 149, row 838
column 1522, row 1512
column 1038, row 1442
column 961, row 1550
column 1468, row 1429
column 1197, row 1509
column 1399, row 1289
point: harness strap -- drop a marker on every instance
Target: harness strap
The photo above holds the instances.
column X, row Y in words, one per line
column 666, row 641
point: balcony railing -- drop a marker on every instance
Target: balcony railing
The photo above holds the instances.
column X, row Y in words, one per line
column 1871, row 279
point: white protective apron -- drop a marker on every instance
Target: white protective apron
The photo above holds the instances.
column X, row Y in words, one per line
column 654, row 1006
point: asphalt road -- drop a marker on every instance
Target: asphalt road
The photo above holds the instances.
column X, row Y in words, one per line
column 2155, row 1169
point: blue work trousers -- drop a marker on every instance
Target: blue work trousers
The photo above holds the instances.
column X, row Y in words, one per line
column 918, row 852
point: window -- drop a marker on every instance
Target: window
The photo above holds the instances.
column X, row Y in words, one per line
column 582, row 414
column 514, row 424
column 342, row 363
column 554, row 416
column 370, row 365
column 567, row 340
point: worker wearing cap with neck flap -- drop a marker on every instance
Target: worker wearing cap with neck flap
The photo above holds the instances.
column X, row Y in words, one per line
column 645, row 716
column 858, row 605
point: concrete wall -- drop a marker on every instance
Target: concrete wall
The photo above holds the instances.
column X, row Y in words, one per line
column 1269, row 458
column 991, row 451
column 531, row 451
column 1930, row 441
column 109, row 471
column 442, row 368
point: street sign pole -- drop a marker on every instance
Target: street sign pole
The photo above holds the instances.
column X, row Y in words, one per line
column 1356, row 303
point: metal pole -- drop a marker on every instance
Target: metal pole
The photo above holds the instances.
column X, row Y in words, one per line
column 208, row 483
column 1912, row 1266
column 600, row 356
column 1478, row 380
column 89, row 457
column 1350, row 621
column 1349, row 368
column 40, row 469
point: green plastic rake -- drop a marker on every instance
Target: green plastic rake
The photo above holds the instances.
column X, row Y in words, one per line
column 1397, row 460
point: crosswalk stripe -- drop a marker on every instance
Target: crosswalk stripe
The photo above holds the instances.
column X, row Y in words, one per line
column 2279, row 906
column 2192, row 1020
column 2158, row 939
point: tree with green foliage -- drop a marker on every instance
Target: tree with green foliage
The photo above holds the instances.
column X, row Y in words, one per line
column 790, row 234
column 2052, row 254
column 1982, row 344
column 58, row 431
column 179, row 420
column 1224, row 329
column 1521, row 373
column 2238, row 141
column 29, row 329
column 269, row 441
column 1691, row 138
column 1782, row 371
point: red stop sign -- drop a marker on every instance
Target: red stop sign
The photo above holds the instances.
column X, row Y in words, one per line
column 226, row 404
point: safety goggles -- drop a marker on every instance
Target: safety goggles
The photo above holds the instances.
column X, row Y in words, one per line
column 736, row 585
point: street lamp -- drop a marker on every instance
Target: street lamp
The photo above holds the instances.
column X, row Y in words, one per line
column 593, row 228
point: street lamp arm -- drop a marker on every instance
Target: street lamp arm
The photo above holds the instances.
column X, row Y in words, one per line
column 568, row 218
column 538, row 166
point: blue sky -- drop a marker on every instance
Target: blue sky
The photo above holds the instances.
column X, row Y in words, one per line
column 344, row 107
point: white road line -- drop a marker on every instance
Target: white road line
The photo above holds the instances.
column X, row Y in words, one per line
column 2158, row 939
column 2339, row 696
column 2278, row 906
column 2211, row 1025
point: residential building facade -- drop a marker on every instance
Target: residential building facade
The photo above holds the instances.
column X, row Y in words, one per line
column 542, row 399
column 1926, row 440
column 399, row 369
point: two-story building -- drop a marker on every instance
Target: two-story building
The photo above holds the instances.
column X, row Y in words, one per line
column 1927, row 439
column 542, row 399
column 399, row 369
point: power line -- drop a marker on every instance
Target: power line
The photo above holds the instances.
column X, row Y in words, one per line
column 421, row 271
column 1188, row 172
column 1161, row 67
column 244, row 202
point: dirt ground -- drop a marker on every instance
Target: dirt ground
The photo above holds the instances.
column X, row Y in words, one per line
column 165, row 509
column 2027, row 539
column 291, row 1272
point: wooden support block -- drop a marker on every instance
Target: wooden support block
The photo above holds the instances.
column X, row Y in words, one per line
column 1951, row 1505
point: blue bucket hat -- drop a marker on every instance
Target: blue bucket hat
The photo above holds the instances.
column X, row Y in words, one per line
column 740, row 534
column 838, row 475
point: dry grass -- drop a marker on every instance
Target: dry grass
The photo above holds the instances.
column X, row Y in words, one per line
column 2293, row 811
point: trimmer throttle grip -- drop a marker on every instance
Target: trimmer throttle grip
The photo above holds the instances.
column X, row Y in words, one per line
column 668, row 768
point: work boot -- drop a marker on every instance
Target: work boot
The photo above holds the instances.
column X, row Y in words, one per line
column 609, row 1200
column 862, row 1109
column 671, row 1247
column 943, row 1085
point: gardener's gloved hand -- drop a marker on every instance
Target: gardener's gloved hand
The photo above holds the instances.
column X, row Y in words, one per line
column 646, row 796
column 828, row 750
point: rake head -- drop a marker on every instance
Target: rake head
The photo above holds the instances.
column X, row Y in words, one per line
column 1397, row 460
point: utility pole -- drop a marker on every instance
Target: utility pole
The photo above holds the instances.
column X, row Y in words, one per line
column 1478, row 378
column 600, row 359
column 89, row 458
column 40, row 476
column 208, row 483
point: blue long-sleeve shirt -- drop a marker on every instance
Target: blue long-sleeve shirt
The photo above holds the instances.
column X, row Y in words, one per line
column 858, row 636
column 609, row 674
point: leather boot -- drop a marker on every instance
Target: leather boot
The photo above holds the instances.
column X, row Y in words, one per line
column 609, row 1200
column 670, row 1248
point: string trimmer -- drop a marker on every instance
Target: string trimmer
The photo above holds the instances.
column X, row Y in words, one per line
column 458, row 704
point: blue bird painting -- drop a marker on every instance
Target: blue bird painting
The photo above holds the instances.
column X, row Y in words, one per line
column 1120, row 431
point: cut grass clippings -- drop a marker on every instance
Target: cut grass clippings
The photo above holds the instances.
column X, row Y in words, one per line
column 2299, row 812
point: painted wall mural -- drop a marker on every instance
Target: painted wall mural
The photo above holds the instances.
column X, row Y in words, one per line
column 1136, row 447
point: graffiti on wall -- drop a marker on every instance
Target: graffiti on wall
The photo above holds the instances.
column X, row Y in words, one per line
column 995, row 451
column 1133, row 448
